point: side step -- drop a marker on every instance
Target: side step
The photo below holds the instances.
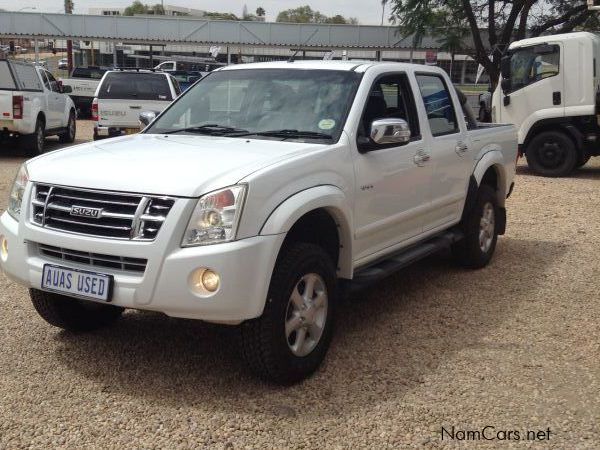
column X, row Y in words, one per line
column 378, row 270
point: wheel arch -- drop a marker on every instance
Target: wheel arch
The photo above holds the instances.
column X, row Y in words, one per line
column 560, row 125
column 490, row 170
column 327, row 211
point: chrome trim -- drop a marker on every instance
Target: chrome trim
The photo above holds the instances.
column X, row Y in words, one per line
column 136, row 225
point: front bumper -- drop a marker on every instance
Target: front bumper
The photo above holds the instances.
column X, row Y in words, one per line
column 245, row 268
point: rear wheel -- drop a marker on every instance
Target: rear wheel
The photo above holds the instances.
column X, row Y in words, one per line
column 289, row 341
column 34, row 143
column 552, row 154
column 72, row 314
column 480, row 228
column 68, row 136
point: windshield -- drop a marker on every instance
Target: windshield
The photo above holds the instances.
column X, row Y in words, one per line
column 529, row 66
column 285, row 104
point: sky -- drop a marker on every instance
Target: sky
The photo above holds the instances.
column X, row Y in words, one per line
column 368, row 12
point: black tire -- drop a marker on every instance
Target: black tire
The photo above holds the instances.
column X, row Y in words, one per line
column 469, row 252
column 73, row 314
column 584, row 157
column 33, row 144
column 265, row 346
column 68, row 137
column 552, row 154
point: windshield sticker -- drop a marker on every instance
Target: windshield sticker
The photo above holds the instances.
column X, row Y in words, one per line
column 327, row 124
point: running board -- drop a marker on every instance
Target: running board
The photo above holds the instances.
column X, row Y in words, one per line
column 378, row 270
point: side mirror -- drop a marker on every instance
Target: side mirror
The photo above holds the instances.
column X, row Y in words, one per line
column 505, row 67
column 390, row 131
column 146, row 117
column 67, row 89
column 506, row 85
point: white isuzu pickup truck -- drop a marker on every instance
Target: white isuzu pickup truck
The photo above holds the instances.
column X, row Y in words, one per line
column 256, row 198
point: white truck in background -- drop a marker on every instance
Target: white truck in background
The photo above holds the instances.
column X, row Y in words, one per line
column 33, row 105
column 256, row 197
column 84, row 82
column 550, row 88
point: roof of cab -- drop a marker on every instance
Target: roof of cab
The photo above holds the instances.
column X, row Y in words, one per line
column 351, row 65
column 553, row 38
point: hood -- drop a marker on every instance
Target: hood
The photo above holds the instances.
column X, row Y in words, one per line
column 183, row 165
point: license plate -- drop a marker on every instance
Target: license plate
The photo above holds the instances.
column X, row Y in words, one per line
column 132, row 130
column 77, row 283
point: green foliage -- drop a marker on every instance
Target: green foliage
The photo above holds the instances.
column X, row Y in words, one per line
column 305, row 14
column 220, row 16
column 260, row 11
column 137, row 7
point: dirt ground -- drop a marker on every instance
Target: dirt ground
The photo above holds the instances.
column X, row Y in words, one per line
column 513, row 347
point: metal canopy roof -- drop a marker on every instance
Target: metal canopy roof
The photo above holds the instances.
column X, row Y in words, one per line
column 170, row 30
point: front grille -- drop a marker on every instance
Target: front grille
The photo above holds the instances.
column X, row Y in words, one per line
column 94, row 259
column 119, row 215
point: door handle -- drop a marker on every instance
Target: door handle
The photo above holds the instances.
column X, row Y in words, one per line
column 557, row 98
column 461, row 148
column 421, row 157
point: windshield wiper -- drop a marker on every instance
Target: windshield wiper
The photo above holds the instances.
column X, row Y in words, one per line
column 290, row 134
column 210, row 128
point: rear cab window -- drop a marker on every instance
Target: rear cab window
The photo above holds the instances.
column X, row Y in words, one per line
column 135, row 86
column 90, row 73
column 439, row 106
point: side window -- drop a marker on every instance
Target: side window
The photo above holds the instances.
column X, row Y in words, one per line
column 438, row 105
column 532, row 64
column 53, row 83
column 45, row 79
column 390, row 97
column 176, row 86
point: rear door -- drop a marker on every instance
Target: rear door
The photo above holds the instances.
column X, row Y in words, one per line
column 451, row 155
column 57, row 102
column 124, row 95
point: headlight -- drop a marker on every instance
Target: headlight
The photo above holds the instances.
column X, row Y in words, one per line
column 15, row 199
column 216, row 217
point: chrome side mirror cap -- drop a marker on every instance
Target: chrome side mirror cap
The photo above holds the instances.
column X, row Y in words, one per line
column 390, row 131
column 146, row 118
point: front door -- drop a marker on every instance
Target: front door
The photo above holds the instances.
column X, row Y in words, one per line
column 392, row 181
column 537, row 86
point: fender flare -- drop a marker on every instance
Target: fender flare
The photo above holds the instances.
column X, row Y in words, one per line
column 327, row 197
column 493, row 159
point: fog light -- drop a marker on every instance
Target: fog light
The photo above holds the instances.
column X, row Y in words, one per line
column 210, row 280
column 3, row 248
column 204, row 281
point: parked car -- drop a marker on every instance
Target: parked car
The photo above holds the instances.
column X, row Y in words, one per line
column 84, row 82
column 63, row 64
column 123, row 94
column 186, row 78
column 34, row 105
column 549, row 88
column 256, row 198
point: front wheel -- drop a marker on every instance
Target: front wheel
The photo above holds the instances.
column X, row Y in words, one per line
column 72, row 314
column 289, row 341
column 552, row 154
column 480, row 227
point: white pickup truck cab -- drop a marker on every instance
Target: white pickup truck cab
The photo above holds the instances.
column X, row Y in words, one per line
column 550, row 88
column 33, row 105
column 255, row 198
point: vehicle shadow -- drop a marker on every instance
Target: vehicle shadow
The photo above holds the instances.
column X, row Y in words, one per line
column 11, row 148
column 388, row 340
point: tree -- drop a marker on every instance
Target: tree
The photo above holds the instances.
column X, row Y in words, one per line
column 260, row 11
column 220, row 16
column 494, row 24
column 305, row 14
column 137, row 7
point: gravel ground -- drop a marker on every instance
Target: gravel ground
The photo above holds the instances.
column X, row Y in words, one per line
column 514, row 346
